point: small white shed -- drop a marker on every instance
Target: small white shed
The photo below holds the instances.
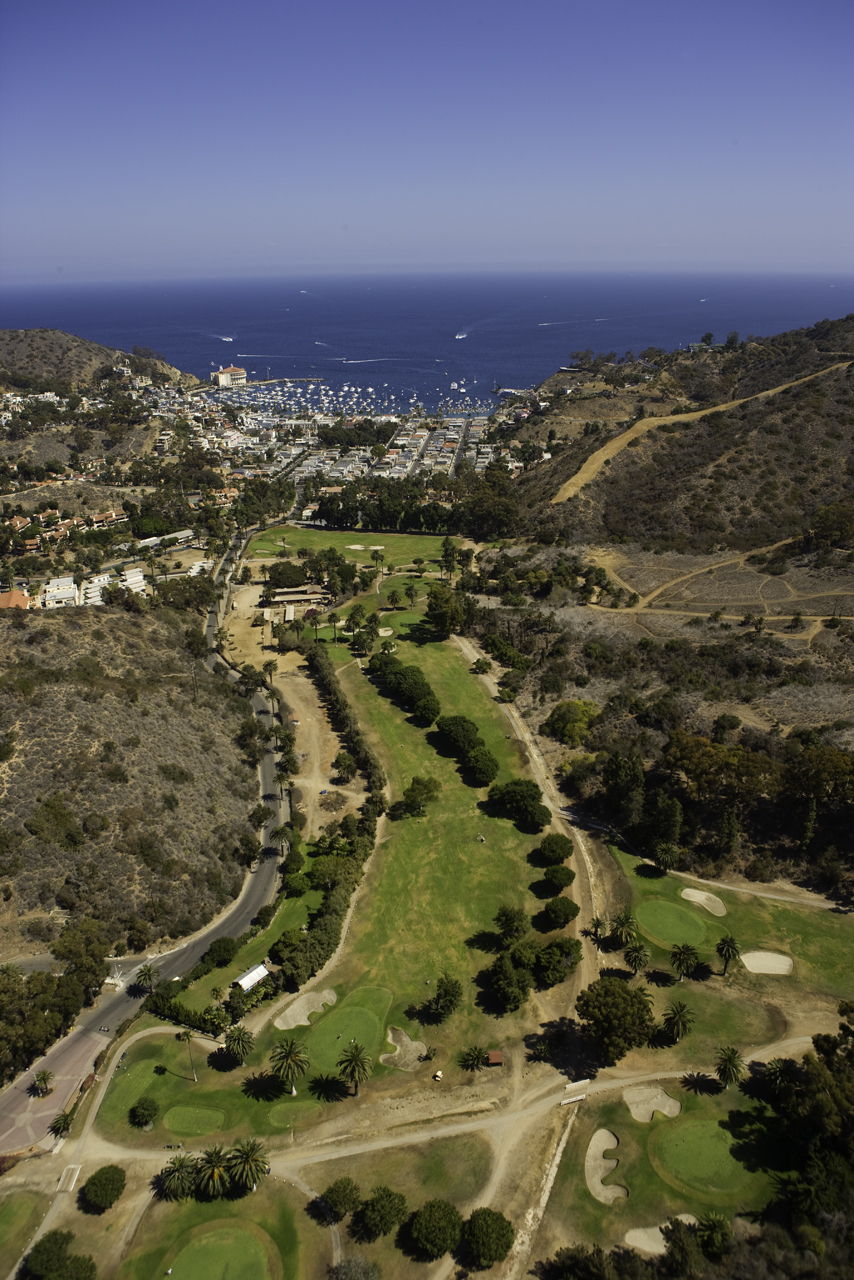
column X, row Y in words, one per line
column 250, row 978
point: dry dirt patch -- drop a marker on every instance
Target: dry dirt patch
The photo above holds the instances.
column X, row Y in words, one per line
column 710, row 901
column 408, row 1053
column 597, row 1167
column 297, row 1014
column 767, row 962
column 644, row 1099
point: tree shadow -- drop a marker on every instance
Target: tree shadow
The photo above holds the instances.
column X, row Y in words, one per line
column 536, row 859
column 699, row 1083
column 406, row 1243
column 328, row 1089
column 543, row 922
column 542, row 889
column 318, row 1210
column 661, row 1039
column 486, row 940
column 702, row 972
column 262, row 1087
column 221, row 1060
column 648, row 871
column 660, row 978
column 567, row 1049
column 760, row 1143
column 614, row 971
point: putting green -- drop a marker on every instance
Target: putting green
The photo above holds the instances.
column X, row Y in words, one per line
column 192, row 1122
column 697, row 1154
column 224, row 1253
column 669, row 923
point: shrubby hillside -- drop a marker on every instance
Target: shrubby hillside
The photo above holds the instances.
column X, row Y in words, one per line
column 31, row 356
column 124, row 793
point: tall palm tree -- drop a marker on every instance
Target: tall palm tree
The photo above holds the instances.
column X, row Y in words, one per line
column 778, row 1073
column 213, row 1177
column 42, row 1081
column 666, row 855
column 270, row 667
column 354, row 1065
column 187, row 1036
column 684, row 959
column 239, row 1042
column 394, row 597
column 637, row 956
column 411, row 593
column 288, row 1062
column 147, row 976
column 279, row 835
column 377, row 557
column 333, row 619
column 597, row 924
column 729, row 1066
column 178, row 1179
column 372, row 625
column 60, row 1125
column 624, row 927
column 678, row 1019
column 248, row 1163
column 297, row 625
column 728, row 949
column 354, row 618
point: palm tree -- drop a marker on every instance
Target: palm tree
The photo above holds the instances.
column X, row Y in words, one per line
column 377, row 557
column 239, row 1042
column 354, row 1065
column 624, row 927
column 247, row 1163
column 388, row 646
column 729, row 1066
column 297, row 625
column 597, row 924
column 42, row 1081
column 316, row 620
column 178, row 1179
column 728, row 949
column 60, row 1125
column 212, row 1173
column 147, row 976
column 667, row 855
column 684, row 959
column 637, row 956
column 778, row 1073
column 288, row 1062
column 372, row 625
column 678, row 1019
column 270, row 667
column 411, row 593
column 473, row 1058
column 354, row 618
column 279, row 835
column 394, row 597
column 187, row 1036
column 333, row 619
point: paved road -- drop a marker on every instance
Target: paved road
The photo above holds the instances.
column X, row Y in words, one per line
column 24, row 1119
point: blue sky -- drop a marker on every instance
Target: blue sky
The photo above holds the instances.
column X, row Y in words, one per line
column 199, row 139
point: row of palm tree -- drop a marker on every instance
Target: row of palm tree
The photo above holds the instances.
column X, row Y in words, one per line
column 289, row 1062
column 215, row 1172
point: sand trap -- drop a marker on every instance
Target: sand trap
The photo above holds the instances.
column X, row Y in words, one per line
column 707, row 900
column 767, row 962
column 650, row 1239
column 386, row 631
column 355, row 546
column 381, row 547
column 407, row 1052
column 596, row 1167
column 296, row 1014
column 646, row 1098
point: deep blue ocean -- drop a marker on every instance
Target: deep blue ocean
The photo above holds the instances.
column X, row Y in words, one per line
column 412, row 336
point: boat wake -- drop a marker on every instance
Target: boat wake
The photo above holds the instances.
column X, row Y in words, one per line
column 460, row 335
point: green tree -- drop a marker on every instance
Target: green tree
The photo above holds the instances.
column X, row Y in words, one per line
column 560, row 911
column 247, row 1163
column 178, row 1178
column 49, row 1259
column 354, row 1064
column 239, row 1042
column 103, row 1188
column 482, row 766
column 345, row 766
column 615, row 1016
column 489, row 1237
column 624, row 927
column 437, row 1228
column 666, row 855
column 213, row 1179
column 411, row 593
column 60, row 1125
column 144, row 1112
column 555, row 849
column 448, row 996
column 684, row 959
column 714, row 1236
column 512, row 923
column 678, row 1019
column 559, row 877
column 382, row 1212
column 510, row 985
column 42, row 1080
column 419, row 561
column 729, row 1065
column 636, row 956
column 289, row 1062
column 420, row 792
column 728, row 949
column 394, row 597
column 333, row 619
column 342, row 1197
column 473, row 1058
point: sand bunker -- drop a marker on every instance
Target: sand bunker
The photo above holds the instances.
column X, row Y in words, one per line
column 596, row 1167
column 646, row 1098
column 296, row 1014
column 381, row 547
column 650, row 1239
column 707, row 900
column 407, row 1054
column 767, row 962
column 386, row 631
column 355, row 546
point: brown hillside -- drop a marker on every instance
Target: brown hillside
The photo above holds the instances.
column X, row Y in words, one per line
column 50, row 354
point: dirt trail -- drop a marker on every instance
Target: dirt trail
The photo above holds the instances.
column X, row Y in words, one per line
column 594, row 464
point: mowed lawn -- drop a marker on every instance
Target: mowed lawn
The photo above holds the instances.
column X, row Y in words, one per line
column 20, row 1214
column 434, row 886
column 399, row 549
column 713, row 1156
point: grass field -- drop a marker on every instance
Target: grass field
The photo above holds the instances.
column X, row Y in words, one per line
column 691, row 1163
column 399, row 549
column 20, row 1215
column 267, row 1234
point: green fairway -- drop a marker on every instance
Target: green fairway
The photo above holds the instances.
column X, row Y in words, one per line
column 223, row 1253
column 698, row 1154
column 191, row 1122
column 20, row 1214
column 399, row 549
column 668, row 923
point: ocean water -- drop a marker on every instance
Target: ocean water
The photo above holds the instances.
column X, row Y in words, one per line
column 397, row 339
